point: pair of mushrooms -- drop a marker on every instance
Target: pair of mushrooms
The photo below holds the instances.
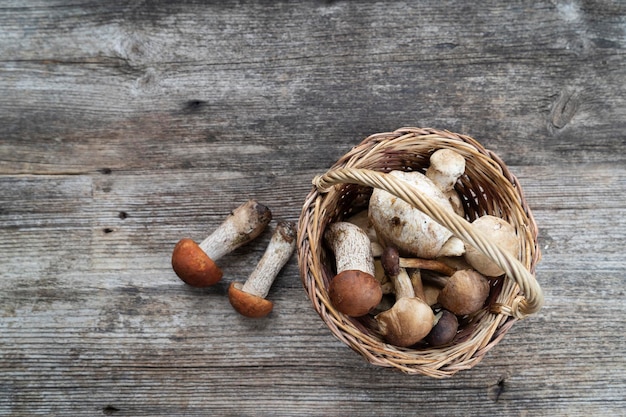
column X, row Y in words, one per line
column 391, row 228
column 195, row 264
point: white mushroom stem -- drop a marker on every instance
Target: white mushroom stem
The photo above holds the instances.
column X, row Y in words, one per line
column 377, row 249
column 351, row 247
column 279, row 250
column 403, row 285
column 400, row 224
column 245, row 223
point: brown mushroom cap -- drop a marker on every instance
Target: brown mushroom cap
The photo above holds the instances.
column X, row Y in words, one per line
column 247, row 304
column 444, row 330
column 465, row 292
column 502, row 233
column 354, row 292
column 407, row 322
column 193, row 265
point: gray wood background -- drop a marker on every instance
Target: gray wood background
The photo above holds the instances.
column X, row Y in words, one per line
column 125, row 126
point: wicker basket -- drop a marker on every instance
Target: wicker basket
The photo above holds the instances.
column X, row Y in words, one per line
column 486, row 188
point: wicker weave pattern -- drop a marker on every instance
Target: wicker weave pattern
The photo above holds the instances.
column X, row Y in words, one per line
column 486, row 188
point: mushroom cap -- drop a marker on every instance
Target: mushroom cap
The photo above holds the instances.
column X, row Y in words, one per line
column 354, row 292
column 390, row 260
column 444, row 330
column 407, row 322
column 446, row 166
column 400, row 224
column 465, row 292
column 247, row 304
column 503, row 234
column 193, row 265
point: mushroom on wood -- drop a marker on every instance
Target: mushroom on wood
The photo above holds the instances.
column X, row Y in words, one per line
column 353, row 291
column 195, row 263
column 249, row 299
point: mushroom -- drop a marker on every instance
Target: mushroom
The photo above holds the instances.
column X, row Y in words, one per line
column 353, row 291
column 195, row 264
column 503, row 234
column 400, row 224
column 446, row 166
column 391, row 261
column 418, row 286
column 410, row 319
column 444, row 330
column 465, row 292
column 249, row 299
column 431, row 293
column 362, row 220
column 430, row 264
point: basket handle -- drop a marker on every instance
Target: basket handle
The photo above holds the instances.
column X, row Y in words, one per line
column 528, row 303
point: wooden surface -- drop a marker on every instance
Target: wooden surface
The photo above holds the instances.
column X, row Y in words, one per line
column 126, row 126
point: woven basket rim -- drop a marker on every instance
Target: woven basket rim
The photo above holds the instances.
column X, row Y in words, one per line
column 382, row 152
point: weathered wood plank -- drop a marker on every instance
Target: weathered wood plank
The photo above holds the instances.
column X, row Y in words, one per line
column 120, row 325
column 125, row 127
column 96, row 87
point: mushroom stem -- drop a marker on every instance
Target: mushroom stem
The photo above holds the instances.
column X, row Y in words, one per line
column 279, row 250
column 434, row 280
column 245, row 223
column 377, row 249
column 351, row 247
column 416, row 283
column 400, row 224
column 403, row 285
column 394, row 269
column 430, row 264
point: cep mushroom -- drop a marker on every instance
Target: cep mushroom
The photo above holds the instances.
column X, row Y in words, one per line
column 249, row 299
column 465, row 292
column 446, row 167
column 195, row 263
column 353, row 291
column 391, row 262
column 444, row 330
column 410, row 319
column 503, row 234
column 399, row 224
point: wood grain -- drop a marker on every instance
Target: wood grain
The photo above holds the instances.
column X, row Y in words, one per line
column 125, row 127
